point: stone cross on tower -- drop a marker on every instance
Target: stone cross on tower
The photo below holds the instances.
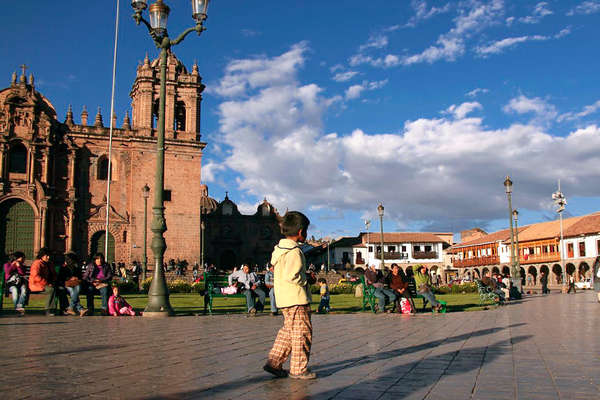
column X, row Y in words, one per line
column 23, row 68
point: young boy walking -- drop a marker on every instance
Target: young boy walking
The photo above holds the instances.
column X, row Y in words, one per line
column 324, row 292
column 292, row 291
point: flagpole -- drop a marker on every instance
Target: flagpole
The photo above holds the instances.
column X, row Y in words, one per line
column 110, row 135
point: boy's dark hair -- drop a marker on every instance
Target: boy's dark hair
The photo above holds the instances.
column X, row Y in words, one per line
column 99, row 256
column 293, row 222
column 44, row 251
column 71, row 259
column 16, row 255
column 322, row 280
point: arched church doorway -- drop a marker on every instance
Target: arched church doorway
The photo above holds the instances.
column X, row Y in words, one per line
column 17, row 222
column 98, row 243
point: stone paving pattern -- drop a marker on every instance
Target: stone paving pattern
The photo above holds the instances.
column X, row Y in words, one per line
column 539, row 348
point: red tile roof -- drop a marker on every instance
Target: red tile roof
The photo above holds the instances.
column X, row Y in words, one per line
column 402, row 237
column 589, row 224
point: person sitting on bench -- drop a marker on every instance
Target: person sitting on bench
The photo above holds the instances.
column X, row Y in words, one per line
column 493, row 285
column 98, row 275
column 399, row 284
column 376, row 279
column 249, row 280
column 423, row 284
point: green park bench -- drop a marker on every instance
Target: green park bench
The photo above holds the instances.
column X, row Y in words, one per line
column 212, row 289
column 368, row 295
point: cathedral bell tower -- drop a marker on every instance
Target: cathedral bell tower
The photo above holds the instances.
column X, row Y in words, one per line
column 182, row 108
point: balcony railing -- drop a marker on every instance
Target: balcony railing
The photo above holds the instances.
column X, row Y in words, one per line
column 391, row 255
column 474, row 262
column 536, row 258
column 422, row 255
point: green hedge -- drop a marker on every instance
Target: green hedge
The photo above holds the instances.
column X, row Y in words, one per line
column 177, row 286
column 470, row 287
column 340, row 288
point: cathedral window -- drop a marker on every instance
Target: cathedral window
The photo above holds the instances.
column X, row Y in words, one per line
column 103, row 169
column 179, row 120
column 167, row 195
column 155, row 114
column 17, row 159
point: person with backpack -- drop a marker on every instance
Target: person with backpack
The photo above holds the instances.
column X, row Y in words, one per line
column 15, row 280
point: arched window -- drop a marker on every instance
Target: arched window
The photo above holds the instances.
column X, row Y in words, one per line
column 103, row 169
column 155, row 106
column 179, row 120
column 17, row 159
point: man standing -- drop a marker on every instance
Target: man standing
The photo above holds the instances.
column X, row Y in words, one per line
column 270, row 283
column 544, row 282
column 249, row 280
column 292, row 291
column 376, row 279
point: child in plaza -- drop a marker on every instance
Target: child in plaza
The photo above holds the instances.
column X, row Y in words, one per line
column 324, row 291
column 292, row 291
column 117, row 305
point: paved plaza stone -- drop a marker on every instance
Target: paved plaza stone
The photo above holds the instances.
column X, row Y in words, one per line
column 538, row 348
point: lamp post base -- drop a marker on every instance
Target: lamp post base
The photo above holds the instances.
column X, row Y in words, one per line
column 159, row 314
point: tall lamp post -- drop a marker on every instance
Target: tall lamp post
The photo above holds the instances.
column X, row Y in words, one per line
column 380, row 212
column 202, row 226
column 561, row 201
column 145, row 195
column 158, row 295
column 517, row 251
column 367, row 225
column 514, row 272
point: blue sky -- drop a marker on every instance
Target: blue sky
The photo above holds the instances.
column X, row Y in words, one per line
column 330, row 107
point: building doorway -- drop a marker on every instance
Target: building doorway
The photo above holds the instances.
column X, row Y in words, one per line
column 17, row 223
column 98, row 240
column 228, row 260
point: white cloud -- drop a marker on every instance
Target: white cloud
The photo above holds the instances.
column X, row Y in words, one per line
column 390, row 60
column 462, row 110
column 243, row 75
column 539, row 12
column 542, row 110
column 447, row 169
column 210, row 170
column 344, row 76
column 499, row 46
column 451, row 45
column 422, row 12
column 585, row 8
column 509, row 21
column 376, row 42
column 355, row 91
column 587, row 110
column 477, row 91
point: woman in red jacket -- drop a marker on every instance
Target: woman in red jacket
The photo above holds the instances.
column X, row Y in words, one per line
column 42, row 277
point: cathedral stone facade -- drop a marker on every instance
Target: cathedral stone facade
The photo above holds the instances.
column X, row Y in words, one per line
column 53, row 175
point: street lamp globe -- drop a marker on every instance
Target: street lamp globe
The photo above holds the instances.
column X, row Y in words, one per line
column 199, row 8
column 508, row 184
column 145, row 192
column 139, row 5
column 380, row 210
column 159, row 13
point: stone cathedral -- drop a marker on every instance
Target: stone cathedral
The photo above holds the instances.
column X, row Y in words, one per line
column 53, row 177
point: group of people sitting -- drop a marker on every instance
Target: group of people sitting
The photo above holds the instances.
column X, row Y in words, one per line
column 67, row 280
column 499, row 284
column 245, row 281
column 391, row 288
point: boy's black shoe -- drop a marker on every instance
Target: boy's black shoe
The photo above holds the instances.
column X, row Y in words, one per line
column 280, row 373
column 308, row 374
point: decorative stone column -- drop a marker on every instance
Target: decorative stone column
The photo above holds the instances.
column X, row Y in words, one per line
column 43, row 213
column 70, row 228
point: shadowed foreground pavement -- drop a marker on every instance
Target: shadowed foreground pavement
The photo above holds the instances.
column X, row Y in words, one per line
column 539, row 348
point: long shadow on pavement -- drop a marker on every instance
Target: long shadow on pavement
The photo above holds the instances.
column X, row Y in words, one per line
column 325, row 370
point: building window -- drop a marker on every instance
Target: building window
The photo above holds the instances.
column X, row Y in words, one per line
column 17, row 159
column 404, row 249
column 598, row 247
column 427, row 248
column 179, row 120
column 167, row 195
column 417, row 248
column 371, row 248
column 103, row 169
column 581, row 249
column 391, row 249
column 124, row 236
column 570, row 250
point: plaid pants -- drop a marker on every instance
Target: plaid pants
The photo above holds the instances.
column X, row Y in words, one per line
column 296, row 337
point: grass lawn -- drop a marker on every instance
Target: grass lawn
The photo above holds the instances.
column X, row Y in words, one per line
column 193, row 303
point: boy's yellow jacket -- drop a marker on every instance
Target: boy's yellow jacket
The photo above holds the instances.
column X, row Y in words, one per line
column 291, row 286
